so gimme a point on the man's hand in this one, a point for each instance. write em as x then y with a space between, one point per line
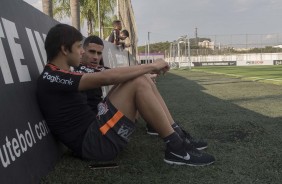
161 66
153 77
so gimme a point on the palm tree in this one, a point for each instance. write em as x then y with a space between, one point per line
106 16
68 8
47 7
75 13
61 8
88 12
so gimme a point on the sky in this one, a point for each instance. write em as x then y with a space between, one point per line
167 20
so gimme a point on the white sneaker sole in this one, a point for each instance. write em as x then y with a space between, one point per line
153 133
181 163
201 148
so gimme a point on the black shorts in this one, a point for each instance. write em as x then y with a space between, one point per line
108 135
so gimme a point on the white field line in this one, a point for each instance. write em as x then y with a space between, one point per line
265 79
233 75
241 76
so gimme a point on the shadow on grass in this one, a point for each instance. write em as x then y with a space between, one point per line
246 144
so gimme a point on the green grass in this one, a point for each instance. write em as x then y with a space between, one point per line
240 119
269 74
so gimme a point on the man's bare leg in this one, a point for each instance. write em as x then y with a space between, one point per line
160 99
138 94
199 144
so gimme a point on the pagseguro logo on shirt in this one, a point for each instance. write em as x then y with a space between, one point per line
57 79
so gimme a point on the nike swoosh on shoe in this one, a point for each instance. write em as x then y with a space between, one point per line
186 157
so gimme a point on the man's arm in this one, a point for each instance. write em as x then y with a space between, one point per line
120 75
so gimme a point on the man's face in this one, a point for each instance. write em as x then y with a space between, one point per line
74 57
92 55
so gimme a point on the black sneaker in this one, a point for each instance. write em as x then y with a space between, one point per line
188 155
151 130
199 144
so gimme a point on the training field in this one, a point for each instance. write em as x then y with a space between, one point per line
239 114
270 74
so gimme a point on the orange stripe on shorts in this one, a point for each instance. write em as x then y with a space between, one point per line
111 122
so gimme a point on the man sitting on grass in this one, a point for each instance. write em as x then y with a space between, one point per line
103 135
91 62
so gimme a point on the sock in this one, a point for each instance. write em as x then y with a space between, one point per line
173 141
177 129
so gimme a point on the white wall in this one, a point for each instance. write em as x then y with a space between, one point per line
242 59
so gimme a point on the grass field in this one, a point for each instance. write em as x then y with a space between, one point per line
270 74
240 119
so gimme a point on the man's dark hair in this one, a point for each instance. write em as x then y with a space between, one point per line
58 36
93 39
115 22
125 33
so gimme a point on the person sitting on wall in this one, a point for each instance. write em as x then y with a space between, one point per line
104 135
123 35
115 34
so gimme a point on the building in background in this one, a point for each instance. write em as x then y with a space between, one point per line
143 58
207 44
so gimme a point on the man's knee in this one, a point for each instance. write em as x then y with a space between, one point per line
141 82
132 86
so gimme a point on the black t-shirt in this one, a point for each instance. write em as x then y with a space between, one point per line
64 108
94 96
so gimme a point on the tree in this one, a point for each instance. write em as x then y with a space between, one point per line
68 8
75 13
107 16
47 7
88 12
61 8
159 47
